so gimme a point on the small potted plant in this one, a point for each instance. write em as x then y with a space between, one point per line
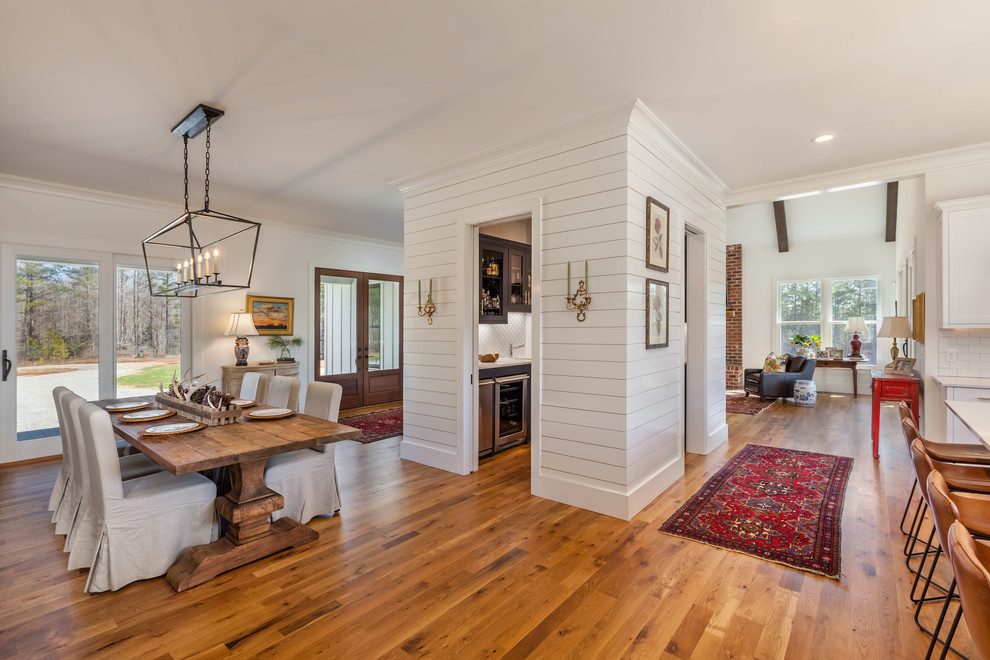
284 345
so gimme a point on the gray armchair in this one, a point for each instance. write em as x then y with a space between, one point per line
772 385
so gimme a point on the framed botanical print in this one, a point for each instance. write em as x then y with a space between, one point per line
657 314
657 235
272 316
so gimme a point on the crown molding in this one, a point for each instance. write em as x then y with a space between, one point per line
39 187
646 126
890 170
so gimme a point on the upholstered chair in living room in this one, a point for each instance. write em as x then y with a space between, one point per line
772 385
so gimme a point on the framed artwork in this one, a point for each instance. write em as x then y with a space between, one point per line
657 314
903 365
272 316
836 354
657 235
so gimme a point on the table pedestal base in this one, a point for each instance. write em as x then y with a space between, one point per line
205 562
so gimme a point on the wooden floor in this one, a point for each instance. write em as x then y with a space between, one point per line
420 562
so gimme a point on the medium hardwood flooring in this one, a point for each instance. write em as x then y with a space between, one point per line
420 562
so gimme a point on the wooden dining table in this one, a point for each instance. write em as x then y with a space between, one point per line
243 448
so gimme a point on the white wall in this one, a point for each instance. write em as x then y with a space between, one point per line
829 235
606 433
44 214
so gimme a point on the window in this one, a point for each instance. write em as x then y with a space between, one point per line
822 307
149 331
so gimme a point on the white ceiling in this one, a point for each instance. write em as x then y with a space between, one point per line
329 101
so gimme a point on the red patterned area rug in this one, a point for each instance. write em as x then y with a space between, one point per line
736 401
377 425
781 505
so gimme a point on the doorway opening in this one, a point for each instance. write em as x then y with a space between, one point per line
695 340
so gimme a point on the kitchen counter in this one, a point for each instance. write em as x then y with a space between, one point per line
502 362
962 381
504 367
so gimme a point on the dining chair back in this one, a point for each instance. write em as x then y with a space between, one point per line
144 524
971 565
307 479
284 392
60 503
254 386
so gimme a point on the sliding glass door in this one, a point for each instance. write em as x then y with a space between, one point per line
359 335
80 320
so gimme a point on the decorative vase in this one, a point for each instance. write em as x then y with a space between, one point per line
806 351
805 393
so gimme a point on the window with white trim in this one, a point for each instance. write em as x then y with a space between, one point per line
823 306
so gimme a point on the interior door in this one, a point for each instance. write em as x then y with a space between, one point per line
359 335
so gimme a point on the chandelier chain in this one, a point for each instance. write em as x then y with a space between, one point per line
206 198
185 165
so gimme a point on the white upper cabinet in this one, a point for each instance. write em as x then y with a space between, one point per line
964 235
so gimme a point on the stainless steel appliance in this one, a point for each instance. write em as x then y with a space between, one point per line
511 418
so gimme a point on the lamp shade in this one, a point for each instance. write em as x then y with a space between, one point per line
855 325
241 325
895 326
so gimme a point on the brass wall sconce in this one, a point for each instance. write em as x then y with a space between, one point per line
429 309
579 300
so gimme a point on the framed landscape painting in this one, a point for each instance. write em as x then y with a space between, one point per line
657 235
272 316
657 313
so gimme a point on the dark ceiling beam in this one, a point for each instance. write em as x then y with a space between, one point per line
891 212
781 221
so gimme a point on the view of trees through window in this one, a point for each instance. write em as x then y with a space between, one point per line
149 331
822 307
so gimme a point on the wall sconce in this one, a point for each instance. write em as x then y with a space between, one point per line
579 300
429 309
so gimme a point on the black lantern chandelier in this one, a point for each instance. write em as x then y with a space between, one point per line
213 252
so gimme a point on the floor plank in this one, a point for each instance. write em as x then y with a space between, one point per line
421 562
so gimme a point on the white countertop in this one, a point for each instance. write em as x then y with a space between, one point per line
975 415
962 381
503 362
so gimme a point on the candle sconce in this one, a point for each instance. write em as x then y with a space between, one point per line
429 309
579 300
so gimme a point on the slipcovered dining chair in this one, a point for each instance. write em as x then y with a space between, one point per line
284 392
75 497
307 478
143 525
253 386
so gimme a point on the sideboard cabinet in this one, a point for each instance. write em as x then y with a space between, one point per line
233 375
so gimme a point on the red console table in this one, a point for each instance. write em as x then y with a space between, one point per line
891 387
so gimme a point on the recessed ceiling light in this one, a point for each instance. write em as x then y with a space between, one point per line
824 138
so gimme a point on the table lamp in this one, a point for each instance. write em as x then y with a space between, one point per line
894 327
241 325
855 325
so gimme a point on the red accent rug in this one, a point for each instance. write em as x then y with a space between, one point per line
377 425
736 401
781 505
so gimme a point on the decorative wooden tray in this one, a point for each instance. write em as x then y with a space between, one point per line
198 412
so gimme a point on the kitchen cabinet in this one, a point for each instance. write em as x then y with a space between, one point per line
955 430
963 234
506 278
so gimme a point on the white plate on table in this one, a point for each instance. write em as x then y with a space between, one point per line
243 403
169 429
142 415
270 413
126 405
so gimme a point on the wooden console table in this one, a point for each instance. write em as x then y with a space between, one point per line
842 364
233 376
891 387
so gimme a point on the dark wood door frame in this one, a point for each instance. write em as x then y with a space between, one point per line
361 387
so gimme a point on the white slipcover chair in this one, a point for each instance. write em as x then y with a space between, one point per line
252 385
284 392
307 478
75 498
80 537
144 524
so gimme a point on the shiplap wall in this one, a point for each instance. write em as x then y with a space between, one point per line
608 432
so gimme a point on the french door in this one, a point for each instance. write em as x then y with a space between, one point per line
359 335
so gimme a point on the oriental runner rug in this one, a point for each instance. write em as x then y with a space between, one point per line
781 505
736 401
377 425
